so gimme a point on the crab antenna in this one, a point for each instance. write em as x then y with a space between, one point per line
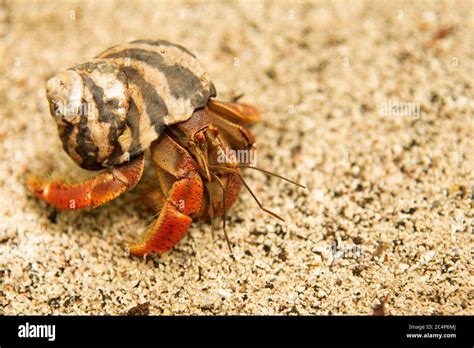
270 173
250 191
237 97
258 202
211 205
224 192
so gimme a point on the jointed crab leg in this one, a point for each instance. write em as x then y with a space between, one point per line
154 200
183 200
239 113
96 191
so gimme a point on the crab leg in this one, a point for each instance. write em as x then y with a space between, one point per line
154 200
96 191
242 114
183 199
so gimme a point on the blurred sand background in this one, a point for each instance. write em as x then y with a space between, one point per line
387 216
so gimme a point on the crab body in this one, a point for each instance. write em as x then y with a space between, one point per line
148 95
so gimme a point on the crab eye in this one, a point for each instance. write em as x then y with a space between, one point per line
215 132
200 138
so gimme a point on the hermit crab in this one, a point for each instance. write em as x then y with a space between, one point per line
149 94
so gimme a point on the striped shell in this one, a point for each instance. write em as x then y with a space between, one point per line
114 106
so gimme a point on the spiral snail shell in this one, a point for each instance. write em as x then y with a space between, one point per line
112 108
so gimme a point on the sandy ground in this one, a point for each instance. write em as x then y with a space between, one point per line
369 104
